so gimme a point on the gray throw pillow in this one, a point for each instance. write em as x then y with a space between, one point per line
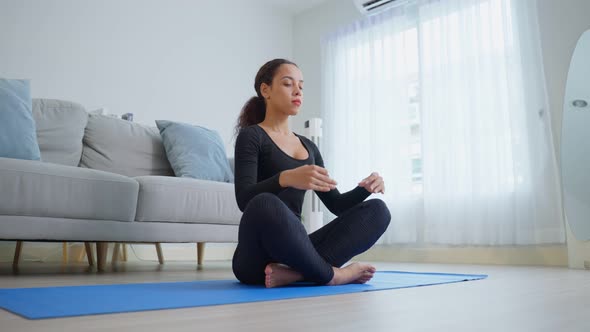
60 128
123 147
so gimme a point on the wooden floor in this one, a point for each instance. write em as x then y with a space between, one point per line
511 299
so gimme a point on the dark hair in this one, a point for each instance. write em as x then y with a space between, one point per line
254 109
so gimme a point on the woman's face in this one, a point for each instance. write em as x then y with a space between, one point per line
285 95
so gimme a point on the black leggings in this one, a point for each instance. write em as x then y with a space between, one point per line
271 233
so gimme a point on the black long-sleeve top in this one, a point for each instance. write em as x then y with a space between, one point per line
259 162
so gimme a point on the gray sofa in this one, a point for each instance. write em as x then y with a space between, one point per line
103 179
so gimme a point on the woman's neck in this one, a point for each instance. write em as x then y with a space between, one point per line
277 124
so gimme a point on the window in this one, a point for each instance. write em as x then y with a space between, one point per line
440 101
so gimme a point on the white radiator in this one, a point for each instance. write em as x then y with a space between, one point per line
315 219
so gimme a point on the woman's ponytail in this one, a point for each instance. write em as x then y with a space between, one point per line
252 113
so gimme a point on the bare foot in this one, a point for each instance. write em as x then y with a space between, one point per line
278 275
355 273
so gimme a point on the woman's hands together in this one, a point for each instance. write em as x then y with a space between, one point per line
313 177
306 177
373 183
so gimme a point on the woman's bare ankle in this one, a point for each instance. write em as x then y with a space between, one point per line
335 278
341 275
353 273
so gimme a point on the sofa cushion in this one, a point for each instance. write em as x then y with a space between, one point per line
17 127
123 147
195 151
170 199
35 188
60 128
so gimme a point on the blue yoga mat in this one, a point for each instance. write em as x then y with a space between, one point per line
53 302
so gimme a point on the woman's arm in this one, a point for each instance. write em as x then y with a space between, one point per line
338 202
247 151
335 201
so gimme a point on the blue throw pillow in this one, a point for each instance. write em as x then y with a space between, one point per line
18 136
195 151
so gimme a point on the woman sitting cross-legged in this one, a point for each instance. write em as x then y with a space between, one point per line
273 169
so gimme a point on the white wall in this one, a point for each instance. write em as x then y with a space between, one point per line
309 27
561 23
191 61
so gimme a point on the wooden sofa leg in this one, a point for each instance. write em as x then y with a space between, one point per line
200 252
64 253
115 257
88 249
159 251
19 246
101 255
124 252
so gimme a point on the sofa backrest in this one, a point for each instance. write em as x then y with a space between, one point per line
123 147
60 128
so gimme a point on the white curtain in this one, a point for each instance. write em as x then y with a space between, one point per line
446 100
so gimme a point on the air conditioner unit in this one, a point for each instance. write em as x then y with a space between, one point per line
370 7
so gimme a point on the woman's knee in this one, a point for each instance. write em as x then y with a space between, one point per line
263 202
262 199
265 207
381 212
